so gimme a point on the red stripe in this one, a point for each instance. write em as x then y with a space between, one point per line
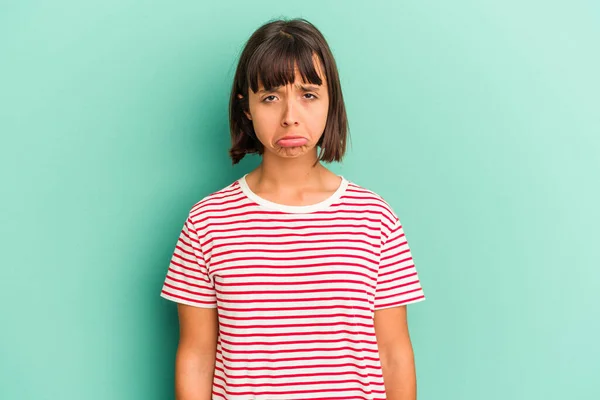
305 375
284 334
296 342
209 235
331 248
253 212
252 292
298 366
283 235
297 258
329 228
397 279
312 265
279 317
381 298
303 243
296 274
187 282
317 349
296 300
294 359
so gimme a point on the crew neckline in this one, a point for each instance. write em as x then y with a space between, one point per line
294 209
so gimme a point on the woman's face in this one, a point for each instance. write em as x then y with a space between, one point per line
289 120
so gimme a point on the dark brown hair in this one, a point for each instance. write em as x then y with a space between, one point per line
270 55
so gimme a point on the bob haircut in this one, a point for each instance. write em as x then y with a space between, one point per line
270 56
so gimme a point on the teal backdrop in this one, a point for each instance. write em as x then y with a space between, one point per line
478 121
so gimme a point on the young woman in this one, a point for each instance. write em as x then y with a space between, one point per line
292 282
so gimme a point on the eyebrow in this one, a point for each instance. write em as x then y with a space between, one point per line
304 88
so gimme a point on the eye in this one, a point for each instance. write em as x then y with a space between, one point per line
310 94
265 99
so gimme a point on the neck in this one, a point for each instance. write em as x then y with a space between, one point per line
290 172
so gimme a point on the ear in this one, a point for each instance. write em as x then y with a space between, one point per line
245 112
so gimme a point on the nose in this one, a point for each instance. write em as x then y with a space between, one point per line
290 116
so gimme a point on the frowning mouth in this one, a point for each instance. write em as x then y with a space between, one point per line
292 141
291 137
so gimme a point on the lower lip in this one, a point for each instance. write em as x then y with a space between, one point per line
292 142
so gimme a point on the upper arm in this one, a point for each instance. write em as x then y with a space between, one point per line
391 329
196 353
198 329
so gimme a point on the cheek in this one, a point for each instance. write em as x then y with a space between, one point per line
265 125
265 122
319 119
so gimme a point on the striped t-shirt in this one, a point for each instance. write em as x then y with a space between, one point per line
295 288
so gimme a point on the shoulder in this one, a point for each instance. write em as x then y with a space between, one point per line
215 202
361 195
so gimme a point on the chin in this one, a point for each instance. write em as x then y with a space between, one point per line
291 152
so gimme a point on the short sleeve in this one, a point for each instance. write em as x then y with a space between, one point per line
187 279
397 280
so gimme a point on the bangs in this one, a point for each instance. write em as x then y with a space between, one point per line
273 63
